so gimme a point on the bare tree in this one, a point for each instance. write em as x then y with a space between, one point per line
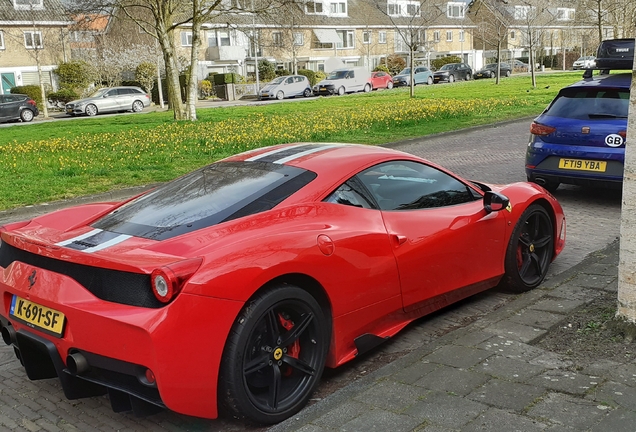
493 24
410 20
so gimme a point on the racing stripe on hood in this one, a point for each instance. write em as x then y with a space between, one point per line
94 241
314 149
272 155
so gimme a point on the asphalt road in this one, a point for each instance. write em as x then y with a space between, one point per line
490 154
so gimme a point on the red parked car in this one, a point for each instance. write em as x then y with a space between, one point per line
381 80
232 287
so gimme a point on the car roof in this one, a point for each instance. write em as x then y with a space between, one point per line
622 80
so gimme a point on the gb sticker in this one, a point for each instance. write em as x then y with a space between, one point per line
614 140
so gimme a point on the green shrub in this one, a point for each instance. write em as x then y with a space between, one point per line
32 91
76 74
381 68
266 70
146 73
282 72
311 75
205 88
395 64
320 75
226 78
63 96
439 62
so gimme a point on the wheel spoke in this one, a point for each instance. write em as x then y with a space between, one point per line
292 335
524 241
543 241
299 365
536 224
525 265
272 326
537 264
255 365
274 387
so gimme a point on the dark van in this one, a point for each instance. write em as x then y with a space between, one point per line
615 54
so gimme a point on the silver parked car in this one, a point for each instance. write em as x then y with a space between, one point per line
286 86
111 99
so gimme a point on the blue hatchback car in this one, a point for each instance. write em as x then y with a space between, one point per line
580 137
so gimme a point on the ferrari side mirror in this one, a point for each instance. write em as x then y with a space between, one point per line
494 201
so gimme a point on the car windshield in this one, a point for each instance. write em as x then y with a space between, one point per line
100 92
586 104
217 193
405 71
448 67
338 74
278 81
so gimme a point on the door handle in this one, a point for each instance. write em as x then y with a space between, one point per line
399 239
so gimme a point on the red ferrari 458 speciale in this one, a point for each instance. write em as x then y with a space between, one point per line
231 288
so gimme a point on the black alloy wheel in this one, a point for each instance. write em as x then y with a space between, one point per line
307 93
274 355
530 250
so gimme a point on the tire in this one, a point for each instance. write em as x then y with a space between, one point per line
451 78
341 91
507 73
468 77
389 85
307 93
367 88
429 81
263 353
26 115
91 110
280 95
529 250
492 74
137 106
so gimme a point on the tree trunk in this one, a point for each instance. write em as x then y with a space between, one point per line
193 80
531 67
627 257
498 61
45 109
172 76
412 80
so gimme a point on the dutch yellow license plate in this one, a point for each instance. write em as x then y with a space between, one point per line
37 316
583 165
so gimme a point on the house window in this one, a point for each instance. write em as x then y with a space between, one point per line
565 14
277 39
1 40
382 37
33 39
449 36
314 8
413 9
513 35
28 4
455 10
461 36
366 37
186 38
523 12
400 43
339 8
394 9
299 39
436 36
347 39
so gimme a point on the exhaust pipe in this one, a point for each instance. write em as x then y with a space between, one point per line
540 181
8 335
77 364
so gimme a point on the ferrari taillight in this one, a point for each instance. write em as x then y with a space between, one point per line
539 129
167 281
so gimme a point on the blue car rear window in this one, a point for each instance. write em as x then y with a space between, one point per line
217 193
590 104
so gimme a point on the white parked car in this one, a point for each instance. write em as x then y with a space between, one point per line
110 99
286 86
346 80
584 62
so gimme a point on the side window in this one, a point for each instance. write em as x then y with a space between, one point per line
299 79
350 193
408 185
289 80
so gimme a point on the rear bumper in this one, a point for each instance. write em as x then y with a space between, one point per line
181 344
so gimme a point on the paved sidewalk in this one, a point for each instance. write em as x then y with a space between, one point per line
488 376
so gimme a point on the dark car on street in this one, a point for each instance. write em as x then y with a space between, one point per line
453 72
490 71
615 54
580 137
17 107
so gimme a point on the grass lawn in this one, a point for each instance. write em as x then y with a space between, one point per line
48 161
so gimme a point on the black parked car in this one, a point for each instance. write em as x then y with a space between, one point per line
17 107
490 71
453 72
615 54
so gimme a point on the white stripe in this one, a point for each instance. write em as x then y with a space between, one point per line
109 243
79 237
301 154
273 152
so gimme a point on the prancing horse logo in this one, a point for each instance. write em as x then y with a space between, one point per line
32 278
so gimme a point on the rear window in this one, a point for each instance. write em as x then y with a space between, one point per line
586 104
208 196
